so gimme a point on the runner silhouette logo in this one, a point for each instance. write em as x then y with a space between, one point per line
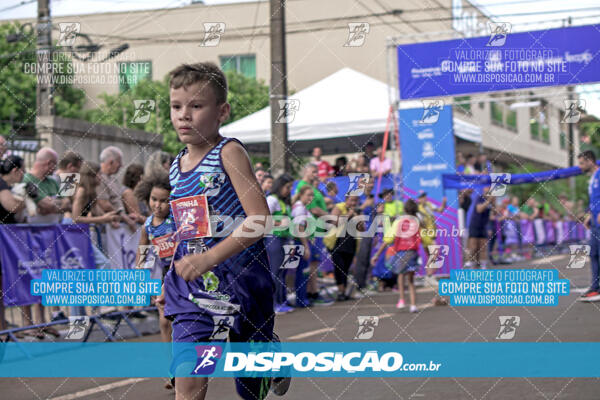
579 255
366 327
208 356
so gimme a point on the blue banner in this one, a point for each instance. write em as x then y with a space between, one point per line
458 181
499 62
28 249
299 359
427 146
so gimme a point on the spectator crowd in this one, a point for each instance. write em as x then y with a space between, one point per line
311 267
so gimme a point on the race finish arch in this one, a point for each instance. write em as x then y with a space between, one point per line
501 61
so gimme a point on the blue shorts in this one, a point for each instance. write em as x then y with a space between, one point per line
403 261
202 327
317 247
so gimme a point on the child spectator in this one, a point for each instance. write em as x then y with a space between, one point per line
267 184
158 231
279 206
404 236
301 217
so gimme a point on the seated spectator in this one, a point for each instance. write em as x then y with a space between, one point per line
460 163
112 195
331 196
11 172
369 151
85 205
378 166
392 208
341 164
267 184
529 210
483 164
260 175
3 148
157 162
470 165
133 175
325 170
359 164
48 205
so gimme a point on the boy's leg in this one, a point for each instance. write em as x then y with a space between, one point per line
189 327
253 388
191 388
164 325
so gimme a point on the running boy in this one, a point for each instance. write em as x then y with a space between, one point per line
219 286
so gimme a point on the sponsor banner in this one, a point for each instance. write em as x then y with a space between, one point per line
427 146
27 250
121 245
301 359
499 62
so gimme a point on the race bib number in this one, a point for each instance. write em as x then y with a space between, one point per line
165 245
192 217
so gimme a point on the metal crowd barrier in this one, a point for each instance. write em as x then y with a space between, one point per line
109 334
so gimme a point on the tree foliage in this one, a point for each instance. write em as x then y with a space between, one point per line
18 79
246 96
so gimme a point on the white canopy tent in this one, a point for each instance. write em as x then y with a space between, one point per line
346 103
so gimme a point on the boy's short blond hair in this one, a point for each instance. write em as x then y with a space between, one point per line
205 72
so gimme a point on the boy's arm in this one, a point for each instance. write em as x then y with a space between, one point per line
237 165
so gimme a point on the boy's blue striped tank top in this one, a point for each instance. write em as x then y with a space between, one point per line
241 284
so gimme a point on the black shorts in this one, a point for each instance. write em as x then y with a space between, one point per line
478 232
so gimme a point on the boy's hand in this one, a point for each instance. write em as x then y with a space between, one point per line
160 300
193 266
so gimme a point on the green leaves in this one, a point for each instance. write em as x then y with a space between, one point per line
246 95
18 82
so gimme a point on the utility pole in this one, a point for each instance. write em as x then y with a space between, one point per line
278 90
44 91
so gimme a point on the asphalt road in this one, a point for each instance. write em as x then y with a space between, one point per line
570 321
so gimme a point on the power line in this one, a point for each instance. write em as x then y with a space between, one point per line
18 5
354 17
233 36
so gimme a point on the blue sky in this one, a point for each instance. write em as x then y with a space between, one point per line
555 12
